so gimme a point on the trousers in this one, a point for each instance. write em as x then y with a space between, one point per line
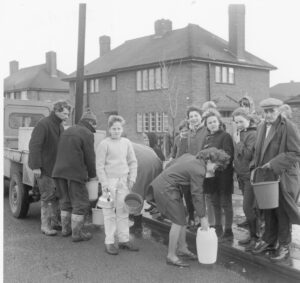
116 219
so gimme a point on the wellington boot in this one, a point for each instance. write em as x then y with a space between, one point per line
137 227
66 223
46 219
55 216
77 224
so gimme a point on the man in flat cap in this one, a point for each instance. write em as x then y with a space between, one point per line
75 165
277 151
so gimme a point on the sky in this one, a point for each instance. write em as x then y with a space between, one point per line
30 28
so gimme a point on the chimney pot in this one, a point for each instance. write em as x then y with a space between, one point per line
237 29
51 63
104 43
162 27
13 67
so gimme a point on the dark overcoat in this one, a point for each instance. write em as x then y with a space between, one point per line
281 149
188 172
76 155
43 144
149 167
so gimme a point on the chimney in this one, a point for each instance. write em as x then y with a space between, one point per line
51 63
13 67
104 43
237 30
162 26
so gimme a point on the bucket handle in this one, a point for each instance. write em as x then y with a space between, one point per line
253 174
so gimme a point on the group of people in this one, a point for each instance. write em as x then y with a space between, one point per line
198 178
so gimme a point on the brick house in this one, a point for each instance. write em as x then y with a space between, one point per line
295 105
40 82
141 78
285 91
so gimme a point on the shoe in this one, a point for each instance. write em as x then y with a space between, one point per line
227 236
262 246
219 230
244 242
178 262
282 253
150 208
187 254
244 224
128 246
251 245
137 227
111 249
77 224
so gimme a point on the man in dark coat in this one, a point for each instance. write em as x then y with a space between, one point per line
74 166
42 154
277 151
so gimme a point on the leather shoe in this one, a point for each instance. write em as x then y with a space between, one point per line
261 246
282 254
187 254
111 249
177 262
128 246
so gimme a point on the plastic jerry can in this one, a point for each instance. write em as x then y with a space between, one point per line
207 246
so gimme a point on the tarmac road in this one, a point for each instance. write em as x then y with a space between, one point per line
32 257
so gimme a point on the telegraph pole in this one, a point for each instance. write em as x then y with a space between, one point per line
80 63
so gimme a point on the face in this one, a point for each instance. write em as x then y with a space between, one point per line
194 118
116 130
63 115
241 122
146 139
184 132
210 168
213 124
271 114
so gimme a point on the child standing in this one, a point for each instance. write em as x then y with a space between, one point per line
116 166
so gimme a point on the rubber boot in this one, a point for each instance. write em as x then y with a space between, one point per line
137 226
66 223
46 209
77 224
55 217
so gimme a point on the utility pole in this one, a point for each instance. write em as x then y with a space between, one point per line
80 63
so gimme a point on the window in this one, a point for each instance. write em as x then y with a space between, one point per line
224 75
17 120
24 95
150 79
97 85
85 86
92 86
226 113
114 83
152 122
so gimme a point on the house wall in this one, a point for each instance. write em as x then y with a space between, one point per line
47 95
296 114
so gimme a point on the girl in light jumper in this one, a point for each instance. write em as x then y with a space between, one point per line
116 166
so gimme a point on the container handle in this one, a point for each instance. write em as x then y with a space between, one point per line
253 174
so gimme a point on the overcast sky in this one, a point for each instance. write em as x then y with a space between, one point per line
33 27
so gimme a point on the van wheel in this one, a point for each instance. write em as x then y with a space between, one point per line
18 196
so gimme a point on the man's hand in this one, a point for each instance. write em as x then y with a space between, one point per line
266 166
37 173
93 179
204 224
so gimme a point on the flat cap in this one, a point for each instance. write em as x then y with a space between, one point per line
270 103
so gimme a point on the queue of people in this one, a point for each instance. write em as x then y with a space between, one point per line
199 176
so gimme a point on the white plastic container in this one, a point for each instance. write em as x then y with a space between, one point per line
24 136
207 246
97 216
92 188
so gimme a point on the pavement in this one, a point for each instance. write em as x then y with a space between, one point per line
289 268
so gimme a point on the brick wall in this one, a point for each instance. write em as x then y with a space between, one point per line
47 95
296 115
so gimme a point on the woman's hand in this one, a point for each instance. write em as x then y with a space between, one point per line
204 223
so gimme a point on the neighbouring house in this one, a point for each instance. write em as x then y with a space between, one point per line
295 105
152 80
285 91
40 82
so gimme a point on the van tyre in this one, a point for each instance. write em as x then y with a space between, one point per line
18 196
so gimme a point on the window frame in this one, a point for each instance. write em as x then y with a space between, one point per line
224 75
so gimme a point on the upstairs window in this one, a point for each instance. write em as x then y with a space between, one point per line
224 75
151 79
113 83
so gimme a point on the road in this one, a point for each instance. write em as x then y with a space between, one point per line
32 257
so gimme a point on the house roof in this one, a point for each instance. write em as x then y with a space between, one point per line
294 100
285 91
35 77
191 42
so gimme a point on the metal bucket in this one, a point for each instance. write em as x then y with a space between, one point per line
97 216
134 203
266 193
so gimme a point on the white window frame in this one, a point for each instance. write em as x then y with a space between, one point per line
113 83
139 80
97 82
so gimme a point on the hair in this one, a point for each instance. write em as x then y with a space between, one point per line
214 113
191 109
241 112
215 155
183 124
115 118
60 105
286 110
244 102
208 105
